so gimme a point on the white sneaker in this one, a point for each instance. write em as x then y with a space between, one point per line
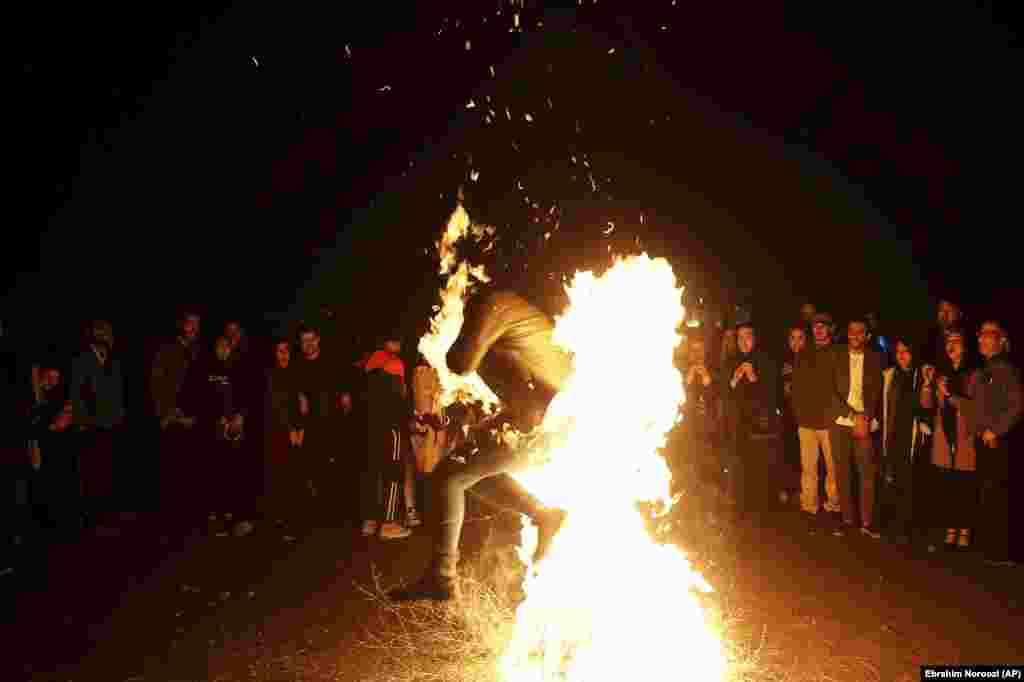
369 528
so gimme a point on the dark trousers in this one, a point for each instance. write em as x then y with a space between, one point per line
325 456
285 494
99 460
57 486
383 474
994 508
896 499
852 455
753 456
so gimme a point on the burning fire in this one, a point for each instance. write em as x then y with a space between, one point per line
608 603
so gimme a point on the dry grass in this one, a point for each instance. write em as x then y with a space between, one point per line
455 642
462 641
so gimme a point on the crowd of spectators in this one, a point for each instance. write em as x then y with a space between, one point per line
892 439
231 436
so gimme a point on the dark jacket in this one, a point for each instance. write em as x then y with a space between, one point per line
812 388
217 389
323 380
872 384
752 399
509 343
281 400
168 375
998 402
386 407
97 392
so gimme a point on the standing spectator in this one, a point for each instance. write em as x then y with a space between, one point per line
237 337
857 398
282 479
796 340
950 397
948 317
325 383
57 489
384 478
218 400
167 382
812 401
903 431
750 411
700 421
98 401
999 406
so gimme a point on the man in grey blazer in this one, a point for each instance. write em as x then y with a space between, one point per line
856 404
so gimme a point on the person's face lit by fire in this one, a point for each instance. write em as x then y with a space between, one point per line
393 346
310 342
49 379
856 336
102 334
746 339
282 354
808 311
223 348
955 347
904 357
797 340
822 333
190 328
991 339
233 330
948 314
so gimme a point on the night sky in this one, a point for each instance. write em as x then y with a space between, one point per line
262 160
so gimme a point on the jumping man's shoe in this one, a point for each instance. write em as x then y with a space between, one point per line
548 525
412 518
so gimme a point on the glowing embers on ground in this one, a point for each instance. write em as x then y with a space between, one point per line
608 603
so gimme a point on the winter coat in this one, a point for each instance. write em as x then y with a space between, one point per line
919 427
963 457
812 387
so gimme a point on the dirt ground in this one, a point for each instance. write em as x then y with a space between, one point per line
264 608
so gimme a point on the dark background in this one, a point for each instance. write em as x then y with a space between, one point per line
250 159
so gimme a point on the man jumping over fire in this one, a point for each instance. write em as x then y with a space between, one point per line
509 343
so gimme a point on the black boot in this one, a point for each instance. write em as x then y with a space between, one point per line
431 587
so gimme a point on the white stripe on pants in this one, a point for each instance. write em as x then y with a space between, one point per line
393 488
810 439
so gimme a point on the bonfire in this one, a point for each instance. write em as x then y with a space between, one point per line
609 602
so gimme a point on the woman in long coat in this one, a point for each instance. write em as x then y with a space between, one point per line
950 398
905 437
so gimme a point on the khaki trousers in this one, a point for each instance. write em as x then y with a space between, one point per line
810 440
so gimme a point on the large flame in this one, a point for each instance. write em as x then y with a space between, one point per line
610 603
